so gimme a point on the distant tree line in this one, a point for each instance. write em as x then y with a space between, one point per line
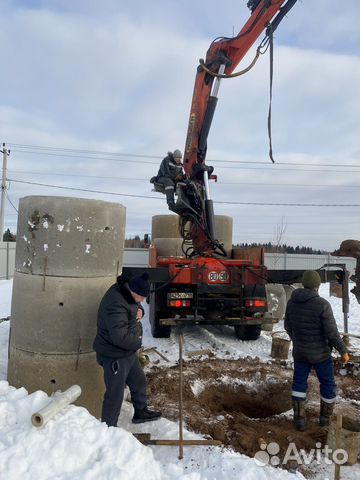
270 248
144 242
137 242
8 236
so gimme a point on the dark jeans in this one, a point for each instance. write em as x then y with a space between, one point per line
325 373
118 373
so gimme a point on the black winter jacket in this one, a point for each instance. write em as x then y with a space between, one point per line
169 168
118 331
310 323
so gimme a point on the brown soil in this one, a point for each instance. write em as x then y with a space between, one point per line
241 402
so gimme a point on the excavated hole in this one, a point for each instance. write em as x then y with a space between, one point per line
236 402
266 401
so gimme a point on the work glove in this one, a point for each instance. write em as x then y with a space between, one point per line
345 358
143 358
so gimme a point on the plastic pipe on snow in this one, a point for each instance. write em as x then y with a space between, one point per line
58 402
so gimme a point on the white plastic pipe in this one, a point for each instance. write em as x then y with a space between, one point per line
58 402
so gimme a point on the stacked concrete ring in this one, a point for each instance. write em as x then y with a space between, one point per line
69 251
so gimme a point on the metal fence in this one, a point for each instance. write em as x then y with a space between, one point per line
7 259
133 257
138 257
292 261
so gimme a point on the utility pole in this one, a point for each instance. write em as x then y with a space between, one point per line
5 153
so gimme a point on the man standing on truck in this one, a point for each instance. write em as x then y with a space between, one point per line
119 336
310 323
170 172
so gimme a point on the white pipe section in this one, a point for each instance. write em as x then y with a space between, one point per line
58 402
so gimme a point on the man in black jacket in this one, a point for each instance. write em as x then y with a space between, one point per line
170 172
310 323
119 336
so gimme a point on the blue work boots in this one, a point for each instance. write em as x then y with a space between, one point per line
299 415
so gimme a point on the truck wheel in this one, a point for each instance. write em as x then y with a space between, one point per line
157 330
248 332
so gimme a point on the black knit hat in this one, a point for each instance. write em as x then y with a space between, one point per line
311 279
140 284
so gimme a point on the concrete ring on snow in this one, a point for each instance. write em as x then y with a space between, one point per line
37 371
276 299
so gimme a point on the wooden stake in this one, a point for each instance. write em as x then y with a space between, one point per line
145 438
338 444
195 353
155 350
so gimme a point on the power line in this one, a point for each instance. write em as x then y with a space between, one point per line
92 152
267 167
135 155
155 198
112 177
83 157
7 195
146 179
83 189
291 204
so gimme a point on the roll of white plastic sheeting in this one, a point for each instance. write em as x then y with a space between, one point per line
59 401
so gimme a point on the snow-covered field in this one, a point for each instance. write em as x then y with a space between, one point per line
76 446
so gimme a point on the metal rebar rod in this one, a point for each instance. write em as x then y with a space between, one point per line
172 443
181 449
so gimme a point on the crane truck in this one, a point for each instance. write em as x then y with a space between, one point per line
205 286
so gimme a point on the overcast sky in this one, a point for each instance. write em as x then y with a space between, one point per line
116 77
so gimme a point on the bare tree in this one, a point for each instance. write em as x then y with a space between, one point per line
279 233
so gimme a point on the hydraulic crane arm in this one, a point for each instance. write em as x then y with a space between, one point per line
223 56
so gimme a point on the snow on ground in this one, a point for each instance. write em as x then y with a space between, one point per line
223 342
76 446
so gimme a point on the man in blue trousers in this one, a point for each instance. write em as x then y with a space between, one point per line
310 323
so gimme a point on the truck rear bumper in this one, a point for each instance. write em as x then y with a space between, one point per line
200 320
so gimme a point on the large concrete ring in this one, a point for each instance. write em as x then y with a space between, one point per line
224 231
69 237
276 299
169 247
288 291
55 314
36 371
165 226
